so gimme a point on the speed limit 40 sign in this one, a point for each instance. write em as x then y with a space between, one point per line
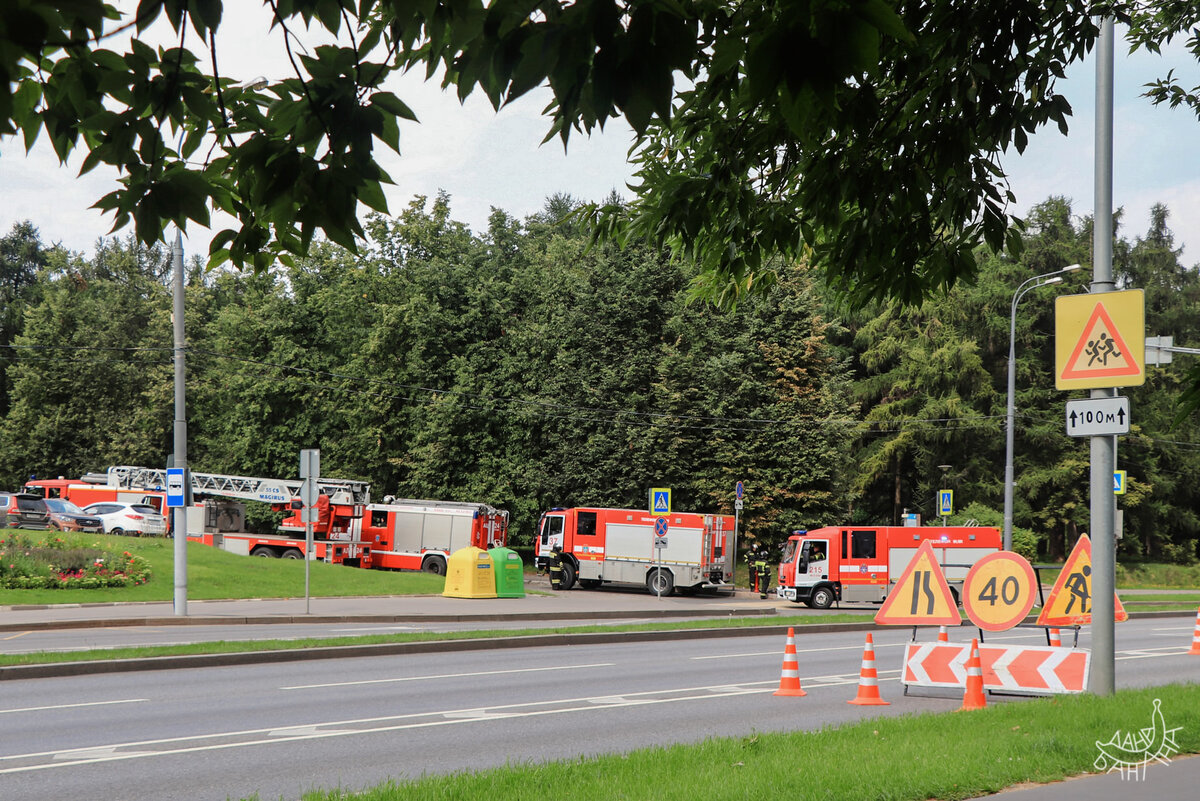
998 591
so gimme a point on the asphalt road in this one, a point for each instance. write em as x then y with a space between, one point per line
281 729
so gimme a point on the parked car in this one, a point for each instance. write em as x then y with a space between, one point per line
66 516
23 510
137 519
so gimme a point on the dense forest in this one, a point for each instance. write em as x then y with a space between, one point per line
529 368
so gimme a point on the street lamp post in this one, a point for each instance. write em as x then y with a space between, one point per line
1046 279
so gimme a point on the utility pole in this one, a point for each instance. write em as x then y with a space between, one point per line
1103 448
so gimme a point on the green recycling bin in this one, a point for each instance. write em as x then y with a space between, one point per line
510 573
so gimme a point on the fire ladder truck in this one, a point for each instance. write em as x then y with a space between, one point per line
217 519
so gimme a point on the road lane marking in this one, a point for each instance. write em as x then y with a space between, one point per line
74 706
18 634
445 676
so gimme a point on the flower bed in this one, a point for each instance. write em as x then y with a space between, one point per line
53 562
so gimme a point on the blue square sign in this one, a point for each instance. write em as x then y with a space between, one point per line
174 487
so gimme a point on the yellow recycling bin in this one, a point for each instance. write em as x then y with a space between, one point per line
510 573
470 574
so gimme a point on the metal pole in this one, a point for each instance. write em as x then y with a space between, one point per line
1103 448
308 555
1012 384
179 517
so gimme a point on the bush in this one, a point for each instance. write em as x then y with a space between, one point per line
55 562
1024 541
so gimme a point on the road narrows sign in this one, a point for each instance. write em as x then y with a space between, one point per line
998 591
1070 602
921 596
1100 340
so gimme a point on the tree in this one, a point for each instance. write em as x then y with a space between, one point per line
862 135
21 259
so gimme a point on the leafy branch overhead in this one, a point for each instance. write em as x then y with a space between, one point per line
860 135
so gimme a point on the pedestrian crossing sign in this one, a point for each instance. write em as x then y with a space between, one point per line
1100 340
660 502
1070 602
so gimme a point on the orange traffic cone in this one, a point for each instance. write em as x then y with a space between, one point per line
943 635
868 679
1195 651
974 698
789 681
1055 639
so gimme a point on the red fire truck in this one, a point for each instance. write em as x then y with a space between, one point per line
421 535
621 546
217 518
861 563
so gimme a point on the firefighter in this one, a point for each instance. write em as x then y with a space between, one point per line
762 569
556 568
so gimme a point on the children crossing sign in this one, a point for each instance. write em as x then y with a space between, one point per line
1100 340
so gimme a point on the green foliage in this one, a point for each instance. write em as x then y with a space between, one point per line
57 563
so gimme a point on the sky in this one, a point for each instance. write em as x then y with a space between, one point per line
485 159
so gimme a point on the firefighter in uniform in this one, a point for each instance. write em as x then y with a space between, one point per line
556 568
761 568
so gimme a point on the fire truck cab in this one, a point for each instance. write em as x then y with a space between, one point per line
861 563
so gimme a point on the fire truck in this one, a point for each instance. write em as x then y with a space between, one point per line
420 535
861 563
217 517
621 546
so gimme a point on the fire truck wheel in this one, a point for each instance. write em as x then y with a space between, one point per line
660 582
292 553
263 551
822 598
435 565
568 575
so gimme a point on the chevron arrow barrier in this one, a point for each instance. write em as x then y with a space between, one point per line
1033 670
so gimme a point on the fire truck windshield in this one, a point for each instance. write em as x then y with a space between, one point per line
789 552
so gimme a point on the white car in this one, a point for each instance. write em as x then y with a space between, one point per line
137 519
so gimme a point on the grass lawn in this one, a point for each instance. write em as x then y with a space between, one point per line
912 758
216 574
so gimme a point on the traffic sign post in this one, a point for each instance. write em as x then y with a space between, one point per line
1097 417
660 542
739 490
310 471
998 591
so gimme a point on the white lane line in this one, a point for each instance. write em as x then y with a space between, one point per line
445 676
378 628
74 706
1151 653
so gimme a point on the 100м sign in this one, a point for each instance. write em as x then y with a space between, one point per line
998 591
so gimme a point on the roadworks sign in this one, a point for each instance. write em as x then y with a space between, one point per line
1070 602
921 596
1100 340
1023 669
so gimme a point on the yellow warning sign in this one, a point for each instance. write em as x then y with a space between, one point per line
1100 340
1070 602
921 596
